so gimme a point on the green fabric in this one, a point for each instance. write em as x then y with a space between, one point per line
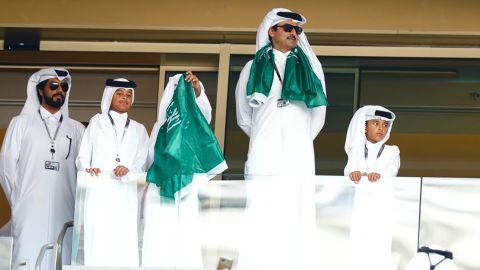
185 144
261 72
299 80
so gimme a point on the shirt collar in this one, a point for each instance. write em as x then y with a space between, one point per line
118 117
46 114
280 55
373 146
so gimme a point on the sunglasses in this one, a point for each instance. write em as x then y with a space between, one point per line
288 28
54 86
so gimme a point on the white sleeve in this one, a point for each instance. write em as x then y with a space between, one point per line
352 163
84 158
244 110
317 120
391 170
202 101
151 144
9 156
204 105
79 131
140 163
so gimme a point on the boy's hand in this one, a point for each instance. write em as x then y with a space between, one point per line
356 176
93 171
120 170
373 177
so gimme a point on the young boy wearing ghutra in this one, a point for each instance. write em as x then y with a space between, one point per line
368 155
371 164
113 152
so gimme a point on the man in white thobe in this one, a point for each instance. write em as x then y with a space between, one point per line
280 102
37 166
171 234
281 129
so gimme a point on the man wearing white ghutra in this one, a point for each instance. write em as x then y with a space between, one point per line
281 104
37 166
281 98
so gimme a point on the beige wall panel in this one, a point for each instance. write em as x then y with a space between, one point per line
190 60
408 15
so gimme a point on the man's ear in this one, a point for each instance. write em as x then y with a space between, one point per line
40 95
271 32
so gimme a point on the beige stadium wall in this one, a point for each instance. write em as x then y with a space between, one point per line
323 15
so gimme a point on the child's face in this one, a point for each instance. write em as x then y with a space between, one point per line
121 100
376 130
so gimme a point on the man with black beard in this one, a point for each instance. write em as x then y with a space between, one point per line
37 166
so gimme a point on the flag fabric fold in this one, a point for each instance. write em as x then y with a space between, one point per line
185 145
300 81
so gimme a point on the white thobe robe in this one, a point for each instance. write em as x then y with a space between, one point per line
171 232
387 164
281 145
279 224
371 224
110 211
281 138
41 200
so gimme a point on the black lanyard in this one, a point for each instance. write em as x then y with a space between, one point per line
281 102
379 152
127 123
52 140
278 73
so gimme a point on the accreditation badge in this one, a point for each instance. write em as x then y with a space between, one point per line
52 165
282 103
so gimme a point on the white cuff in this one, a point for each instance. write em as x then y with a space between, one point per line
256 100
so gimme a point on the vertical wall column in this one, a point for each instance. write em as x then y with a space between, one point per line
161 85
222 93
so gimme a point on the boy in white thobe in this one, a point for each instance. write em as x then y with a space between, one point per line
371 163
114 150
368 155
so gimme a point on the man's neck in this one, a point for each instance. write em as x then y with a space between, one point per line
50 109
282 50
372 143
118 112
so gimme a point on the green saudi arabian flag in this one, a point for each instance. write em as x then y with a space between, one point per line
185 146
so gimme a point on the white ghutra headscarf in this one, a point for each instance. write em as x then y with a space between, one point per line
356 129
113 85
32 103
272 18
